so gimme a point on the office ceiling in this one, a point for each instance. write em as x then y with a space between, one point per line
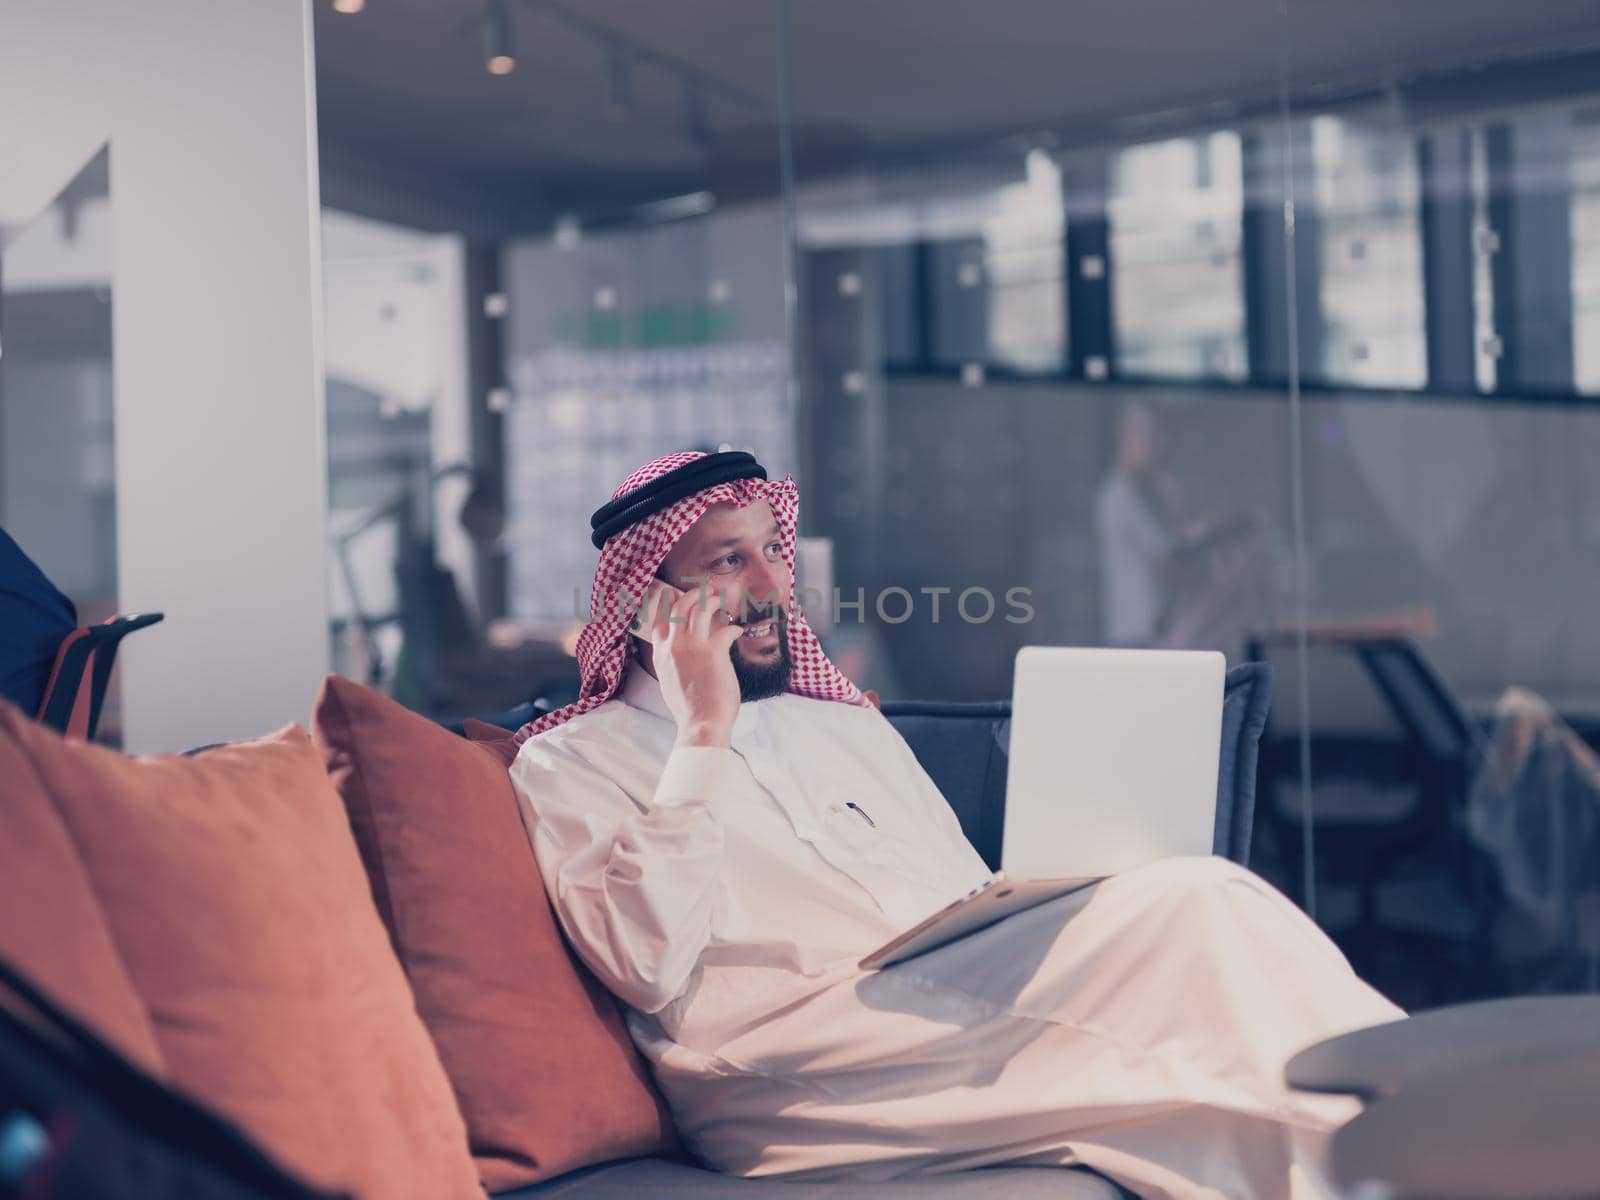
406 107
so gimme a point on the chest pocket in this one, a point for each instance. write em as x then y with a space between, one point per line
876 834
850 824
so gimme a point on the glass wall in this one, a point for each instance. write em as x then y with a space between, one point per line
1273 334
1319 401
57 471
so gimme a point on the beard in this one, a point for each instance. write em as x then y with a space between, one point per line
763 680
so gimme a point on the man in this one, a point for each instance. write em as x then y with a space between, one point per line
725 827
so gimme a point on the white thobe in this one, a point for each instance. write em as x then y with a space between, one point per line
1139 1026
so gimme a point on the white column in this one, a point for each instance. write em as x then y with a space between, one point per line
208 108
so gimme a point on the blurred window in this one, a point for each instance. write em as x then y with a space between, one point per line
1366 193
965 276
1586 249
1023 244
1176 212
1485 352
396 378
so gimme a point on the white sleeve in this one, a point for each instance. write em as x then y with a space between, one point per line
633 886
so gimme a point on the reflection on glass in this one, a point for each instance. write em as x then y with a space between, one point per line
1175 572
966 268
1024 260
1586 248
624 345
411 510
1176 209
383 322
1486 344
1366 194
57 478
946 435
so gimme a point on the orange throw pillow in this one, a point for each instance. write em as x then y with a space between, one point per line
544 1070
52 928
235 894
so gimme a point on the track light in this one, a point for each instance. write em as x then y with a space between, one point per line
349 6
499 55
619 86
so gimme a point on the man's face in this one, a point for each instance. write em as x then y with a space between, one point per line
737 550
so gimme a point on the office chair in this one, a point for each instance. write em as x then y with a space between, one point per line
1406 756
446 667
89 652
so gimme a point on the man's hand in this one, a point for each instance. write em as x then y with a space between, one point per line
692 638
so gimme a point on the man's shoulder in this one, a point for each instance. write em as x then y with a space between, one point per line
833 713
582 738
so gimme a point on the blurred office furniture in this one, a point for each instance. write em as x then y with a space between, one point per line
1483 1100
1534 811
1399 883
87 655
445 666
1522 1132
400 510
1383 1060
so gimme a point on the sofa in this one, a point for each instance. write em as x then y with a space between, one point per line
338 940
963 747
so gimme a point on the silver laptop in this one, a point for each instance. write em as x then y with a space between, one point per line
1114 759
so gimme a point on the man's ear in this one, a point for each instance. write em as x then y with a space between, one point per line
873 696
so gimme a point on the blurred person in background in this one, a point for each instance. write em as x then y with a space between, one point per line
1169 578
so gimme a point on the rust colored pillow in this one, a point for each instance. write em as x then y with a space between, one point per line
500 743
52 928
544 1070
236 897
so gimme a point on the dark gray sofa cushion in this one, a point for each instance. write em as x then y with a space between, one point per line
1245 703
659 1179
964 748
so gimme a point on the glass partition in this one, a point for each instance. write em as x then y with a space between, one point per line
1271 332
57 435
1436 710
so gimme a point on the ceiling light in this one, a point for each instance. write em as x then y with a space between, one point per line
499 56
568 232
349 6
674 208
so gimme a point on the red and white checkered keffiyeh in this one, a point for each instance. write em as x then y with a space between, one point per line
628 564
